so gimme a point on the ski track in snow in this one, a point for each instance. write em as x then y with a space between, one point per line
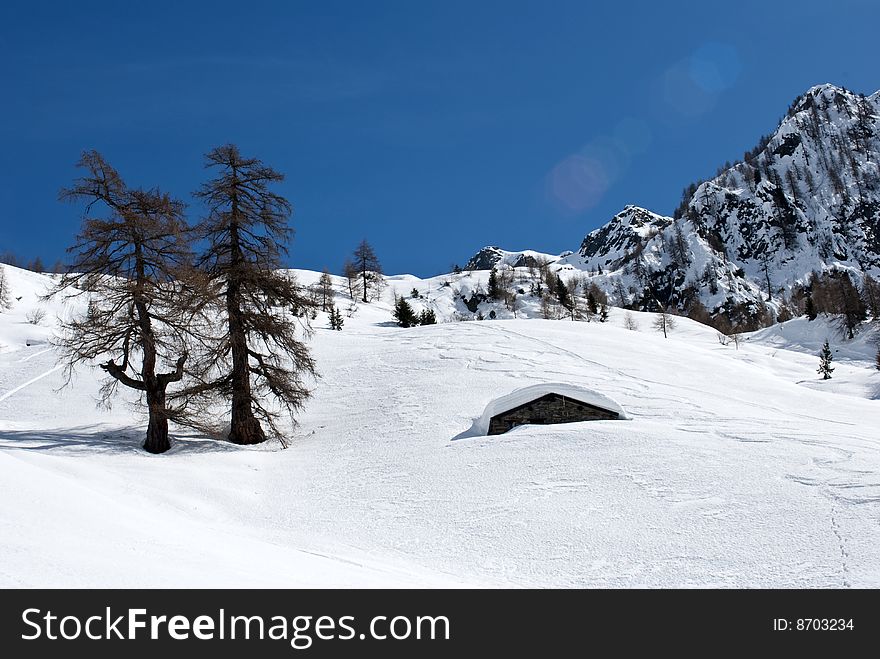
15 390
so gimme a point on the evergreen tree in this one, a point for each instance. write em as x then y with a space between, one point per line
603 313
825 359
562 293
404 314
336 321
494 291
809 307
427 317
592 304
257 356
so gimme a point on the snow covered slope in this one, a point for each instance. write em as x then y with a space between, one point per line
731 471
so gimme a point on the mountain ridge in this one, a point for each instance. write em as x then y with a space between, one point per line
744 244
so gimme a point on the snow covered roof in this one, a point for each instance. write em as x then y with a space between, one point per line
525 394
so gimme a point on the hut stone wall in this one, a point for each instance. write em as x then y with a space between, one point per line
550 408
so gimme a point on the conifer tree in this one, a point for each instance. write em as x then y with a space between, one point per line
404 314
325 290
562 293
494 290
809 307
336 320
257 358
129 263
367 265
664 322
427 317
352 276
825 359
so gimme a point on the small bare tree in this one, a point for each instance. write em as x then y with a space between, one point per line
128 265
352 276
664 322
736 337
630 323
36 316
325 290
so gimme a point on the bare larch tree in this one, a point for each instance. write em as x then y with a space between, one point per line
664 322
367 264
325 290
258 356
127 263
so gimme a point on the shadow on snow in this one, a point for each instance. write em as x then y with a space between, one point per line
97 439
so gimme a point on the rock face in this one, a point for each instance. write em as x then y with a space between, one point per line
806 199
486 259
490 257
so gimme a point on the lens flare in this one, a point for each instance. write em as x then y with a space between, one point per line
578 183
715 67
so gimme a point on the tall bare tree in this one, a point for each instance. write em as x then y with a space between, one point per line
367 264
127 264
259 358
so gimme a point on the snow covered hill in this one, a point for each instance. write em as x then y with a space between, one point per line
738 467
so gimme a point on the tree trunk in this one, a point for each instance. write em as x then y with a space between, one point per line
364 272
244 427
157 428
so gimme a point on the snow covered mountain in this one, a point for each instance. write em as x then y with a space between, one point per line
490 257
806 199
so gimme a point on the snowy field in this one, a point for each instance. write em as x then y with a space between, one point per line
738 468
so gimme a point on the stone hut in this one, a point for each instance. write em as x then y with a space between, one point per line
546 404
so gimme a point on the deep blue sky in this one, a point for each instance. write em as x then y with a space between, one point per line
430 128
